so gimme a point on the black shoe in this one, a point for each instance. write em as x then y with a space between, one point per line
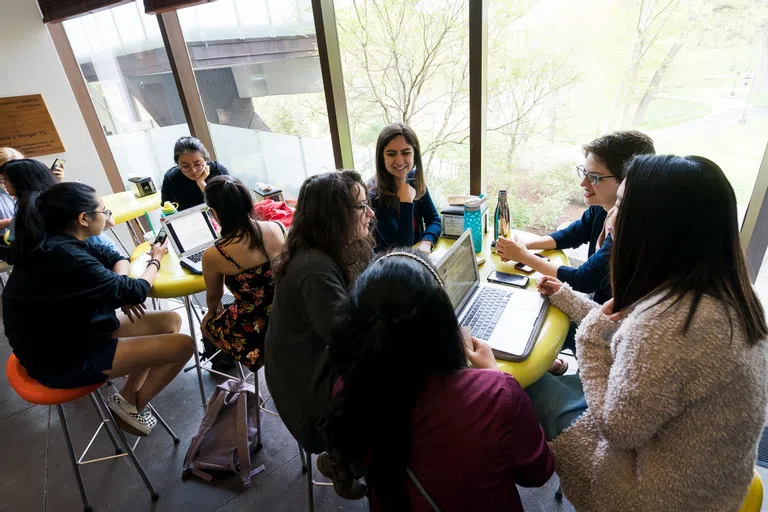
222 362
344 483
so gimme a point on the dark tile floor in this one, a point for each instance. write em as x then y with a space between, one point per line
36 475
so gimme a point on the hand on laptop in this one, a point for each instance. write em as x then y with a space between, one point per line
479 353
548 285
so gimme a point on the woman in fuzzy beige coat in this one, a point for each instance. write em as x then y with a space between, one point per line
670 399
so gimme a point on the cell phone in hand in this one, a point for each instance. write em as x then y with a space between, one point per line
522 267
508 279
56 163
161 236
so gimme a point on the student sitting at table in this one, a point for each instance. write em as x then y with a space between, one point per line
670 401
241 258
21 177
405 213
601 175
59 307
184 183
327 247
410 414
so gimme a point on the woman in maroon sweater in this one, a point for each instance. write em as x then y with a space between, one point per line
410 410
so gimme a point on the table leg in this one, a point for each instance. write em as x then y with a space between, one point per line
136 238
112 230
188 305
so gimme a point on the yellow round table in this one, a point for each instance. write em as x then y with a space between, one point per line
553 330
172 281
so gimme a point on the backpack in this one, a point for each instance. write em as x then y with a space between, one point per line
226 436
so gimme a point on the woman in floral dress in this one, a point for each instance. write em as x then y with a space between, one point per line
241 259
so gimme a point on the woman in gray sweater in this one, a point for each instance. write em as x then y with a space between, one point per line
670 401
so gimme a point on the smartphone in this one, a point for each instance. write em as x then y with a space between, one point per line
161 236
508 279
525 268
56 163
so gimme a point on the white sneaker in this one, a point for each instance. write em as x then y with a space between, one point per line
129 418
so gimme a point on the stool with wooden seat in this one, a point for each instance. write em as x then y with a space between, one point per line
34 392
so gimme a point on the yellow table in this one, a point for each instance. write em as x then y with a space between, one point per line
554 329
126 206
172 281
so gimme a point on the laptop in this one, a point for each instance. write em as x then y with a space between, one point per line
191 232
508 318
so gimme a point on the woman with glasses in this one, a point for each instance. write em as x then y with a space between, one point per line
59 306
601 175
327 246
405 213
185 182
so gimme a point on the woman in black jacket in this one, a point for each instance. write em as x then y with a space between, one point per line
59 306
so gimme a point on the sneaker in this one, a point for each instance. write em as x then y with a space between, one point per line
129 419
344 483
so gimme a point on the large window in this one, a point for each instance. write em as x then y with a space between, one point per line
407 60
691 74
122 58
259 78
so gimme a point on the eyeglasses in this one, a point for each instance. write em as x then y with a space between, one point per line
362 206
107 213
196 167
594 179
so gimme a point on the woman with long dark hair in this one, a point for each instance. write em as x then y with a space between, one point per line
241 258
405 213
327 247
670 400
185 182
59 306
408 408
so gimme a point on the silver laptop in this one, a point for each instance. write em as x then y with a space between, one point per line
191 232
508 318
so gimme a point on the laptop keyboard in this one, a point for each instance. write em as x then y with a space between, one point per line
196 257
486 311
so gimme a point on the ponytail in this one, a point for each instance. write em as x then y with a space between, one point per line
51 212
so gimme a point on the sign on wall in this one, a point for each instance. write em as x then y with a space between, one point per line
26 125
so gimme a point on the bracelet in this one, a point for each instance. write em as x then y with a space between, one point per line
155 262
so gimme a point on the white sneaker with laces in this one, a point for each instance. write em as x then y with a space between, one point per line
129 418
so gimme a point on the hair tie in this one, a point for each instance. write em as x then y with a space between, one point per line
417 258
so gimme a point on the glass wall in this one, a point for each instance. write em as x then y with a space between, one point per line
259 78
125 65
692 75
407 60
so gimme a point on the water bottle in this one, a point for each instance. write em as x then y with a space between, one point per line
473 210
501 224
169 208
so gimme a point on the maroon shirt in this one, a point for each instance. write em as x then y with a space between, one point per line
475 435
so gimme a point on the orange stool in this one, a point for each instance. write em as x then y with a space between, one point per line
34 392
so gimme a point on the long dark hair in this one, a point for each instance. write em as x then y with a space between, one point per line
27 176
234 206
52 212
677 232
398 317
326 219
383 186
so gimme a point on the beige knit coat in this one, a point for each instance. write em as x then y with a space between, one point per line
673 419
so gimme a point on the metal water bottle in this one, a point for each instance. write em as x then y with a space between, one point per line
501 225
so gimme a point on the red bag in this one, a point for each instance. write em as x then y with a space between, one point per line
271 210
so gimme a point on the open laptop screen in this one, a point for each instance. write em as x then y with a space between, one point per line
458 269
191 231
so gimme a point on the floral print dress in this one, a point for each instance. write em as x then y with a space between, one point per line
239 329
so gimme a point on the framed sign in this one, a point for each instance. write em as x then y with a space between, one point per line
26 125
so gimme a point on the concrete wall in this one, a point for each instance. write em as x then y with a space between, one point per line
29 64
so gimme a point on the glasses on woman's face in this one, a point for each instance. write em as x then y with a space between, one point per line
363 207
594 179
198 166
107 213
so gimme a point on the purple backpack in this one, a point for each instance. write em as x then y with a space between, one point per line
227 434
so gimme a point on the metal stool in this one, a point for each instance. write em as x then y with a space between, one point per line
35 393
